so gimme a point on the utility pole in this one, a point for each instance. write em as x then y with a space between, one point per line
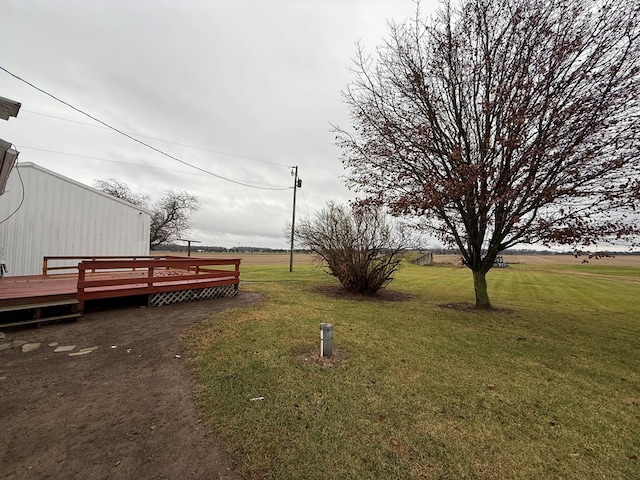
297 183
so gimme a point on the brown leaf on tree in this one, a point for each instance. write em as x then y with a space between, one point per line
490 134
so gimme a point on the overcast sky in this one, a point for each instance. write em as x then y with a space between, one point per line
253 84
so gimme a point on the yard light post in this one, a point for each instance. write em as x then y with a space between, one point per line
297 183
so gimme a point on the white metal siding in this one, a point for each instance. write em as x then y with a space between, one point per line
62 217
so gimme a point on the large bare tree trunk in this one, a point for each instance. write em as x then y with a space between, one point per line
480 286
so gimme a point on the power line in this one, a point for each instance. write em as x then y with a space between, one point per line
21 198
22 147
305 202
160 139
133 138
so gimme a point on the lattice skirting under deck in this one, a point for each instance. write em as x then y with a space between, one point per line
166 298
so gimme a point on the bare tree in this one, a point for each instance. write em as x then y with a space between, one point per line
502 122
360 246
121 190
169 215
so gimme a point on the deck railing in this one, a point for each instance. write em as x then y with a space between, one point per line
117 278
74 260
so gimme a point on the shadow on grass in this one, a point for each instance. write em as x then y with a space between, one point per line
384 295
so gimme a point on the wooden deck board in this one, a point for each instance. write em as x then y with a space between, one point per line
30 290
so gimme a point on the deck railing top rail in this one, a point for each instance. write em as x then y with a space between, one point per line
134 262
71 261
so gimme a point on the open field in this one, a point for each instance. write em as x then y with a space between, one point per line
250 259
619 260
421 386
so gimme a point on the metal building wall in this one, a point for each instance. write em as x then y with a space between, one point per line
60 216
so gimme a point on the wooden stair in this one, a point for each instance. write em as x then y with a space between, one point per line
40 312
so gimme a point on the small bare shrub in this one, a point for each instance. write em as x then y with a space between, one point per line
360 246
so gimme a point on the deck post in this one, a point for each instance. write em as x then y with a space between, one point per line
150 277
80 294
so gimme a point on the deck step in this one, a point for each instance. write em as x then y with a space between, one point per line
28 306
32 321
41 312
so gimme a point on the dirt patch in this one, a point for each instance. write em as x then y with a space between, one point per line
312 357
384 295
122 410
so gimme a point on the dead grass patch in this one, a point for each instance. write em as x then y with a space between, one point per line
470 307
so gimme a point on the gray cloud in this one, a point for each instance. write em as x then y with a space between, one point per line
251 78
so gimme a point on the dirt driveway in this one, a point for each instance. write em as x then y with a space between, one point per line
122 411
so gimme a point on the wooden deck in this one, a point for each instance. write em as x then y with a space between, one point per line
23 290
46 296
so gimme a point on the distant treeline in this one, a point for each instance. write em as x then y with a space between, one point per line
532 251
600 253
172 247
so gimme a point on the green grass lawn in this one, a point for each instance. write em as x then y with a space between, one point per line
545 387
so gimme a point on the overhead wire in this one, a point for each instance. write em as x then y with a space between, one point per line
305 203
120 132
21 199
160 139
22 147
